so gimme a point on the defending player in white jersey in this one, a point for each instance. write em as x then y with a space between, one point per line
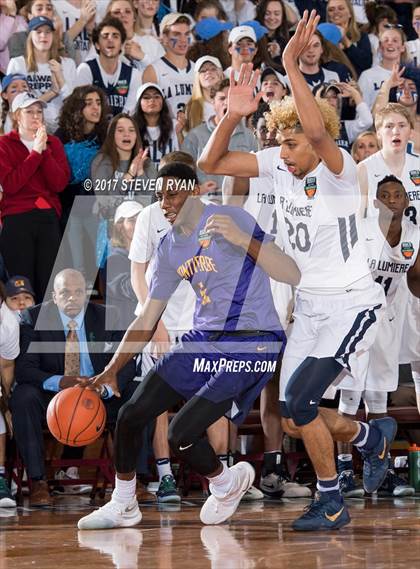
338 304
392 244
257 197
394 125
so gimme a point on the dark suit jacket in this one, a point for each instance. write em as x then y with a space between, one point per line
42 324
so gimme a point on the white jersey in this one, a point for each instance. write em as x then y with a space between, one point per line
261 204
175 83
70 15
412 48
151 226
389 265
377 169
318 220
370 81
155 150
9 333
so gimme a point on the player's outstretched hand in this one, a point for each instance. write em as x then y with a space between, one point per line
107 377
224 225
242 100
302 36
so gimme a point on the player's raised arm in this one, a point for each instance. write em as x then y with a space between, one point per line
216 158
138 335
309 114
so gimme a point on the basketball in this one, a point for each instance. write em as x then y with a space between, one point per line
76 416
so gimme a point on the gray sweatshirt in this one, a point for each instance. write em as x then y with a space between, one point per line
242 140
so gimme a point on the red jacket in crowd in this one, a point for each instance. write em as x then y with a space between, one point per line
31 180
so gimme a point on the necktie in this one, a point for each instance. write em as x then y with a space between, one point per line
72 351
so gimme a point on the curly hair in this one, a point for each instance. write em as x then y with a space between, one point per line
283 115
71 118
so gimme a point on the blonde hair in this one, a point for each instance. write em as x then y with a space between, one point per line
283 115
30 58
393 108
353 32
403 40
359 137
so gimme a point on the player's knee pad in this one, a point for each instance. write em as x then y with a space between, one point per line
302 408
349 401
179 436
376 401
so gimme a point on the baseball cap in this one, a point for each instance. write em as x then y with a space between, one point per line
330 32
171 19
145 86
18 284
240 32
271 71
258 28
127 209
24 100
39 21
204 59
208 28
10 78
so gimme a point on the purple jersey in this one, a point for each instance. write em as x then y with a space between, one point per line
233 293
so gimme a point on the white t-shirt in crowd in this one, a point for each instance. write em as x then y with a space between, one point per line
152 137
40 82
151 226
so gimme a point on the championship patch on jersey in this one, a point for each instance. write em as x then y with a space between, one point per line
407 249
122 87
310 187
415 177
204 239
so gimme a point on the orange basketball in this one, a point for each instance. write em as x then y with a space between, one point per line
76 416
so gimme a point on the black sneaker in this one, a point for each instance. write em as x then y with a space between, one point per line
6 498
396 486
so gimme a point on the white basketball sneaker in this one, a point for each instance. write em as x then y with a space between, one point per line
219 508
113 515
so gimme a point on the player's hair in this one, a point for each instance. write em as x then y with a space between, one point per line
391 179
393 108
283 115
111 22
178 170
178 156
263 108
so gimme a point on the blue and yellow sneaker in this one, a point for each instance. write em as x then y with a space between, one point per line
167 491
375 465
323 513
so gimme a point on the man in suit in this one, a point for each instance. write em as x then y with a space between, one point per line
81 343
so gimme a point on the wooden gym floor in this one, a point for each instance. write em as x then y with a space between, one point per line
384 533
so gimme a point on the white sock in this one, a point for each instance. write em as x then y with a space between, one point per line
222 483
125 490
163 466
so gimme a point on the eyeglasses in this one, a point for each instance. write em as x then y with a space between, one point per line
393 27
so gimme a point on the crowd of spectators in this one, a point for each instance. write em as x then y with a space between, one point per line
94 95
